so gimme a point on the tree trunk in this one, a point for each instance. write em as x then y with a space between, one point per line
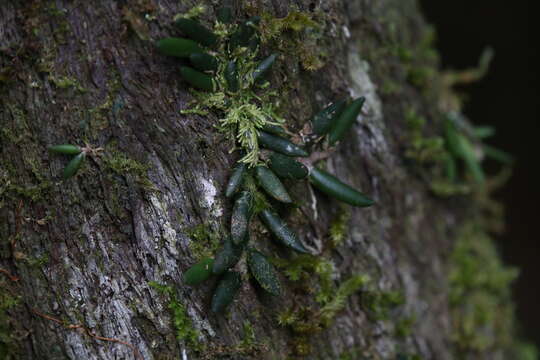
92 266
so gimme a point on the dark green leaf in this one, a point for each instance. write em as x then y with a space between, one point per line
345 120
240 217
199 272
280 145
264 67
323 121
74 165
286 167
332 186
281 231
197 79
264 272
224 15
228 286
271 184
65 149
236 180
228 255
178 47
231 76
196 31
203 61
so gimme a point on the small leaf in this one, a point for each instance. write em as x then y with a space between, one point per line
264 67
203 61
240 217
236 180
323 121
332 186
281 231
65 149
228 255
224 15
178 47
271 184
225 291
199 272
197 79
196 31
231 76
264 272
482 132
74 165
244 33
344 122
499 155
286 167
280 145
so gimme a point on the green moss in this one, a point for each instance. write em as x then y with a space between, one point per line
181 321
204 241
244 112
338 301
480 295
379 303
297 35
403 326
121 164
423 149
303 267
420 60
307 320
66 82
38 262
340 226
8 339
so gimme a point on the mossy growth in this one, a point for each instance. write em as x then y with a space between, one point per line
204 241
339 226
255 105
423 149
420 60
307 320
8 340
331 299
378 304
480 296
66 82
185 331
303 267
121 164
298 35
245 111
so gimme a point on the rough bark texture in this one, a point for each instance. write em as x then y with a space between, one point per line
86 249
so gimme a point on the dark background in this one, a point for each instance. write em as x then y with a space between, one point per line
508 99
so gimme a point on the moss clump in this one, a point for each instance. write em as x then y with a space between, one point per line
307 320
339 226
65 82
204 241
480 296
8 341
423 149
337 302
303 267
297 35
181 321
379 303
403 327
121 164
420 60
243 113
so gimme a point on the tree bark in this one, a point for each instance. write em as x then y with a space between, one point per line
79 255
